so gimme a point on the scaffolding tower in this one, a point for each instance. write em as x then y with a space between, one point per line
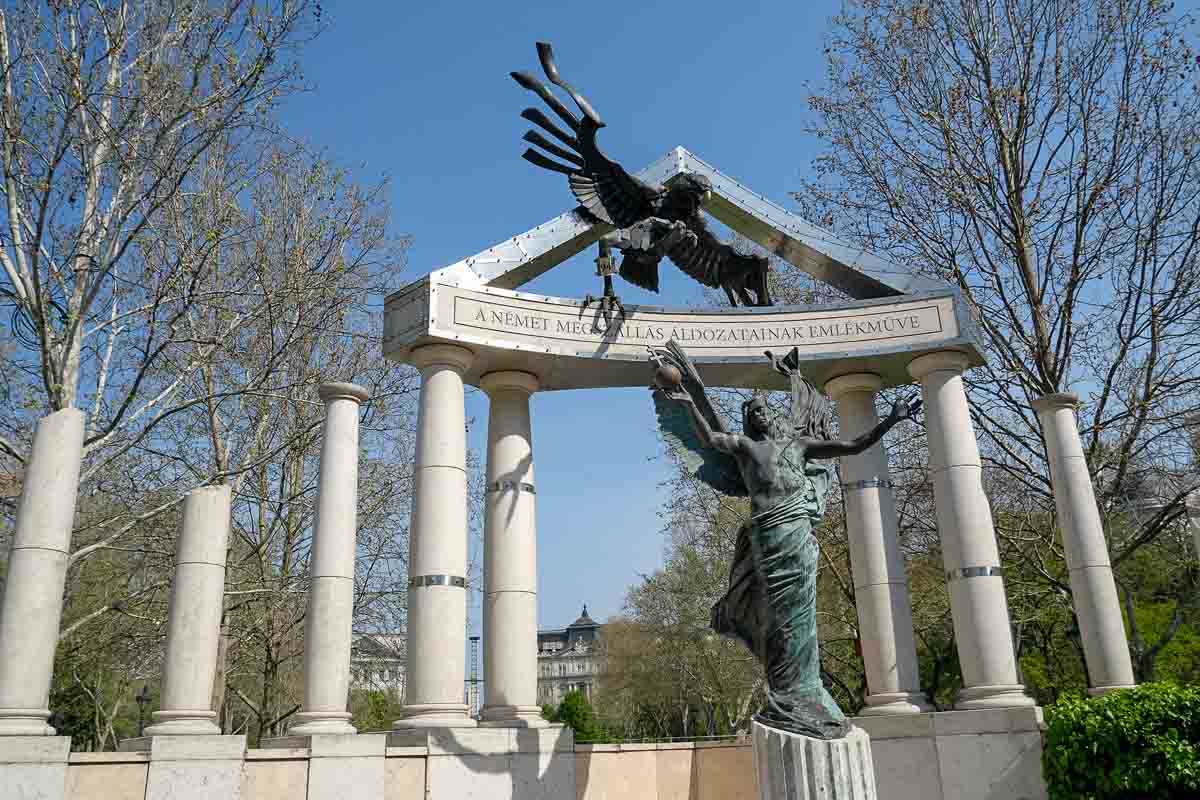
473 680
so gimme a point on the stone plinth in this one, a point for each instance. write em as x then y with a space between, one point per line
795 767
34 767
191 767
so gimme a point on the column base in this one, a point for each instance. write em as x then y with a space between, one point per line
1096 691
512 717
795 767
896 703
183 723
999 696
434 715
25 722
317 723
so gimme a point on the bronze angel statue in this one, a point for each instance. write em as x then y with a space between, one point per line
771 602
651 221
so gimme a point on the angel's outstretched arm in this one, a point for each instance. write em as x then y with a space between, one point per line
725 442
832 448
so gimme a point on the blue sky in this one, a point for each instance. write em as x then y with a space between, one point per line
420 92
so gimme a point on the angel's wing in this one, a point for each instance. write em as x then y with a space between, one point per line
606 190
719 470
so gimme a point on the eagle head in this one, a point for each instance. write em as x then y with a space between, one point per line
688 192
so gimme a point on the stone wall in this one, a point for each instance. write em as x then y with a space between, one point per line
680 771
956 755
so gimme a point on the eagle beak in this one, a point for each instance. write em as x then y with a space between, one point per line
707 196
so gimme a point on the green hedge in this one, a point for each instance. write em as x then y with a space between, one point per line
1126 745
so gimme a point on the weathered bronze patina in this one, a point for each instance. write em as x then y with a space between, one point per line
771 603
651 221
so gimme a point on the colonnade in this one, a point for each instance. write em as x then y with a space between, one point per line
32 602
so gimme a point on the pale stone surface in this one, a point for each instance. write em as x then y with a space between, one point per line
1005 766
955 755
37 566
726 773
880 582
190 767
495 763
339 765
437 541
358 778
978 604
1093 590
33 767
285 779
629 775
795 767
906 768
194 616
510 556
100 781
403 778
673 770
327 624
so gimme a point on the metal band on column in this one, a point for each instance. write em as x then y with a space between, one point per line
510 486
438 580
973 572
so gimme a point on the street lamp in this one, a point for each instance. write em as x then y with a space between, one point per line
142 698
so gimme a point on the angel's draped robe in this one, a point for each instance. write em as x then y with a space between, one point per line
771 606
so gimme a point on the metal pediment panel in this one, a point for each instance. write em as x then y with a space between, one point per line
859 273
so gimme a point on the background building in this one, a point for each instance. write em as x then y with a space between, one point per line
569 659
377 663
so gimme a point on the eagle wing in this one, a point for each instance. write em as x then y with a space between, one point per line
718 470
607 192
701 257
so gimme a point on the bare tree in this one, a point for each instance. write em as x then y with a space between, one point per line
1041 155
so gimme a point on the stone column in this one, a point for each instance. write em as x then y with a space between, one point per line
510 557
194 616
327 625
37 570
880 582
1093 591
437 546
969 552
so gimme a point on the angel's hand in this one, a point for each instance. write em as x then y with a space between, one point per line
788 364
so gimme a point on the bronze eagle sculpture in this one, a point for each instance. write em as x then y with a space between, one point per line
651 221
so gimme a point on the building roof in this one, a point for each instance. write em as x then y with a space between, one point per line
584 620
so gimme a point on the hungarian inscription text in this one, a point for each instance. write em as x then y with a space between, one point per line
549 323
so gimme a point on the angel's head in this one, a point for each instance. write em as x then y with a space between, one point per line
756 420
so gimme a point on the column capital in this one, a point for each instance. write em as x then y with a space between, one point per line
942 360
854 382
509 379
1055 401
342 391
451 355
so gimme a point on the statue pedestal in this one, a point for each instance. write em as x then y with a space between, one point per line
795 767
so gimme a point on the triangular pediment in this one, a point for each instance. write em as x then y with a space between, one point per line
859 273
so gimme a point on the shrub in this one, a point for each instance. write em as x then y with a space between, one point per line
576 712
1126 745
